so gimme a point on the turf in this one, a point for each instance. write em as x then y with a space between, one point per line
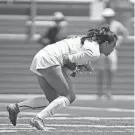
92 117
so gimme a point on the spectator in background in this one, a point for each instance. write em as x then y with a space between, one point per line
107 66
131 26
56 32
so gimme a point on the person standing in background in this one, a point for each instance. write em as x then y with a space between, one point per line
107 66
56 32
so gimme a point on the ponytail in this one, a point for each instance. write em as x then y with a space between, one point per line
99 35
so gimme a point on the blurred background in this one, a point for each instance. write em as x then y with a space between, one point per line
23 21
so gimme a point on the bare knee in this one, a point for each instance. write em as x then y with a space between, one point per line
51 98
71 98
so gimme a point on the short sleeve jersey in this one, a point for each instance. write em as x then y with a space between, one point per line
72 47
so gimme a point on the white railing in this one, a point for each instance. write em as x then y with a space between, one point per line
36 36
65 1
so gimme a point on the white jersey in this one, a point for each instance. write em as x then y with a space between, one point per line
75 51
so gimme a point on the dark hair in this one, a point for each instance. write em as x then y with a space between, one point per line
100 35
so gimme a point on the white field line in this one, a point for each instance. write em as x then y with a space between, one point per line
99 131
95 131
78 97
63 125
4 113
100 109
65 131
8 131
114 97
24 128
79 118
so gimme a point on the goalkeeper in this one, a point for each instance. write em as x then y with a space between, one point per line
55 64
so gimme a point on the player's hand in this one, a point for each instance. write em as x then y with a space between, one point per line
73 74
76 71
88 68
68 63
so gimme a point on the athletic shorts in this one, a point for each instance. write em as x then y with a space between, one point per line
43 60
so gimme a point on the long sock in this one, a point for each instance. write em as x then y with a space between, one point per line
34 103
54 107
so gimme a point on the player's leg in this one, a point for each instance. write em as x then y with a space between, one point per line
34 103
48 90
40 102
100 78
111 70
100 75
61 83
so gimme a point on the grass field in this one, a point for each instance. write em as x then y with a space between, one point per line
86 116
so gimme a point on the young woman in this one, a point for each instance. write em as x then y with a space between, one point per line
50 65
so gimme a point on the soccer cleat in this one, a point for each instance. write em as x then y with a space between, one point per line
13 110
38 124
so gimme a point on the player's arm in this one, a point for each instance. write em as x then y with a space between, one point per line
77 62
122 34
69 64
79 58
88 67
123 30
